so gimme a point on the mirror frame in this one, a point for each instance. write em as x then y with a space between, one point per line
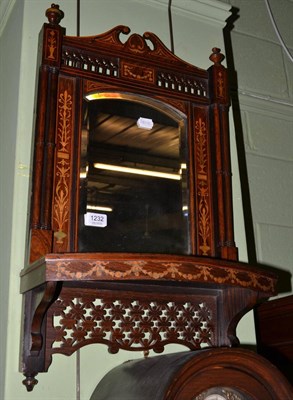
74 67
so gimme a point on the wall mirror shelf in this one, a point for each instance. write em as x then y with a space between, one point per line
131 224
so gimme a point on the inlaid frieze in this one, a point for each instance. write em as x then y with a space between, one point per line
136 72
147 269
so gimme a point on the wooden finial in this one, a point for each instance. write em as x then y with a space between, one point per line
54 14
30 382
216 57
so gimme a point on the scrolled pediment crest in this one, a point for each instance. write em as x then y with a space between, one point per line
135 43
147 45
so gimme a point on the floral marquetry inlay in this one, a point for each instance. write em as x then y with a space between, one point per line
202 187
61 198
52 36
189 269
220 85
140 73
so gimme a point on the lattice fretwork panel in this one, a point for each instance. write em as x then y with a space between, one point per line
182 83
130 321
90 62
109 66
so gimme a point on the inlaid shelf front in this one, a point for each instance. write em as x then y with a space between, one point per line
136 302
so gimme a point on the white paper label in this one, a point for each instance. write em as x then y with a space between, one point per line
94 219
145 123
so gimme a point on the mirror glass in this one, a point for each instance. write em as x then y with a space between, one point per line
133 177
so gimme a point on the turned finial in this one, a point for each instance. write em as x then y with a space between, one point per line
30 381
216 57
54 14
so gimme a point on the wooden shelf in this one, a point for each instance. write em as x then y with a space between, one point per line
136 302
79 267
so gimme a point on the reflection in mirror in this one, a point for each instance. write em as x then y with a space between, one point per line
133 177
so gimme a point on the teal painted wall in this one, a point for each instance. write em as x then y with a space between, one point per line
267 130
265 93
9 90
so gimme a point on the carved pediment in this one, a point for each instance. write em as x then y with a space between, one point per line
148 46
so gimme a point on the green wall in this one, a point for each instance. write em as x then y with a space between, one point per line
266 128
9 91
265 95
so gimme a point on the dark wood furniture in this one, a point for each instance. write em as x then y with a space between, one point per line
78 287
211 374
274 332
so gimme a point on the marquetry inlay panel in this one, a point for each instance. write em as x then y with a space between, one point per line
61 198
127 267
203 197
52 38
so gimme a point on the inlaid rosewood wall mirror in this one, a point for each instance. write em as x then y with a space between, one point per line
131 208
120 105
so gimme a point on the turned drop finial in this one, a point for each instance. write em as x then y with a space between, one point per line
216 57
54 14
30 381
